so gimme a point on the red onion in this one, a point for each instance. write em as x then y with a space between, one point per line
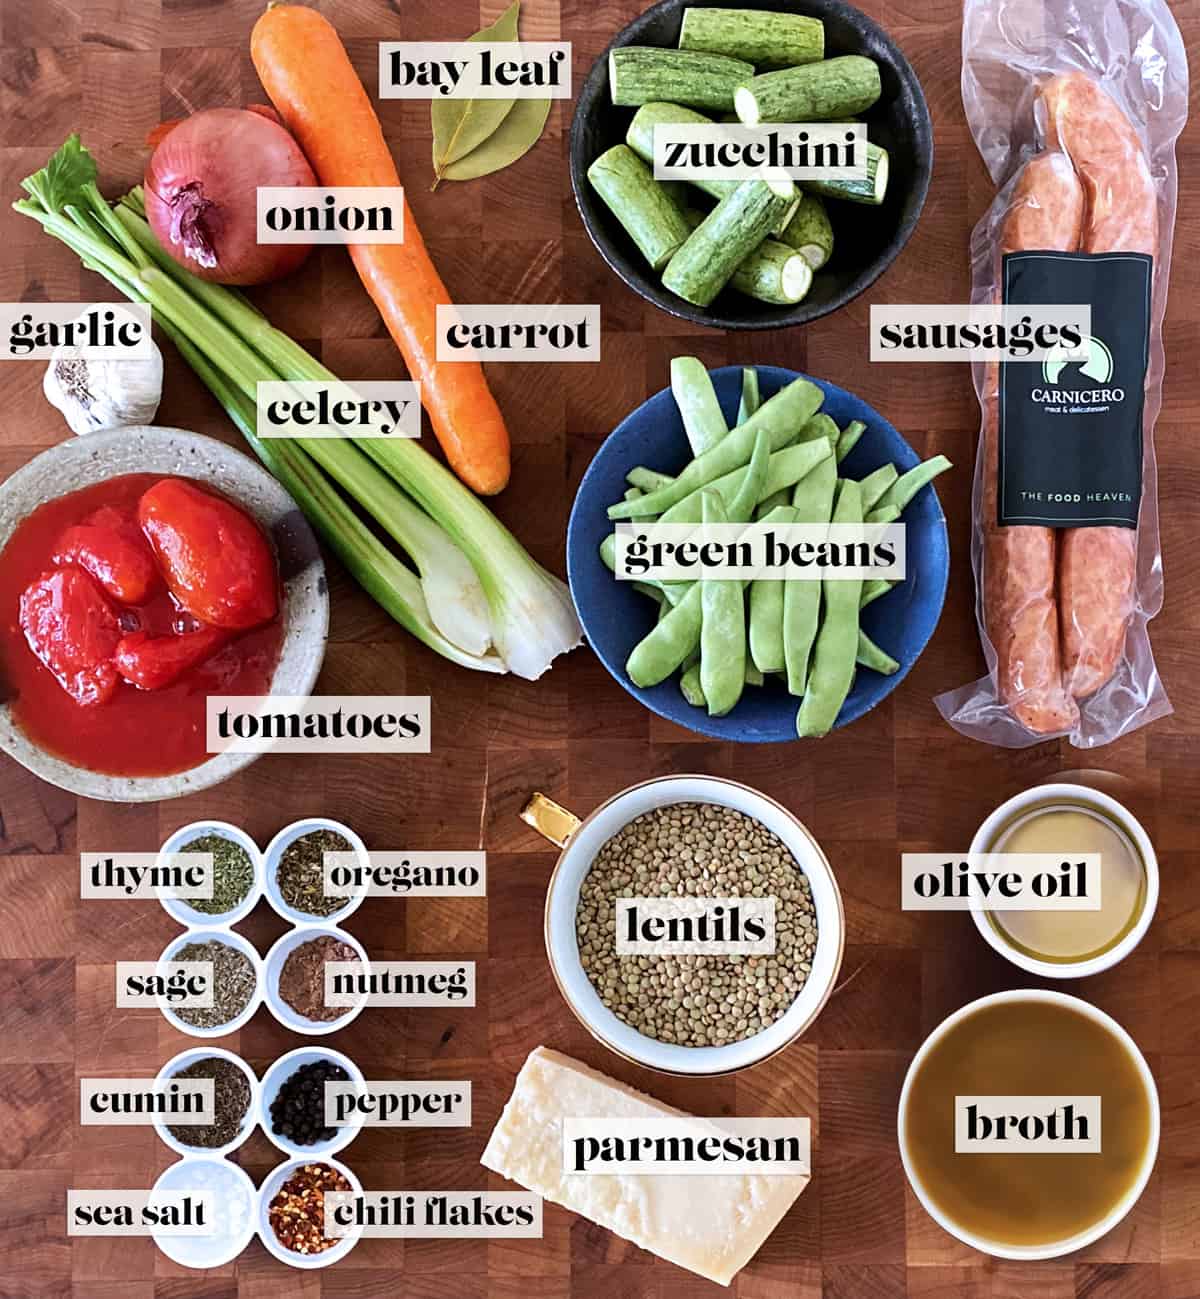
201 194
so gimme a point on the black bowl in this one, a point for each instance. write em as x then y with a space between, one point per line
866 239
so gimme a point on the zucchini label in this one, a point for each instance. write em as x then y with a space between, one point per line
1070 428
831 151
475 70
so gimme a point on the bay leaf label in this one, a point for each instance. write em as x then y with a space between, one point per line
441 70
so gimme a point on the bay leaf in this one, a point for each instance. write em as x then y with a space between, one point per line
512 139
460 125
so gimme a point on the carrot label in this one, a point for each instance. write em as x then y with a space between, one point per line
475 70
518 332
346 214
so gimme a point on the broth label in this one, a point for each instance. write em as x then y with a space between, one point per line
1000 882
140 1213
1027 1125
433 1213
669 1146
129 1102
138 876
398 1104
692 926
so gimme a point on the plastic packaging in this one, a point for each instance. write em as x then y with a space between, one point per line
1096 91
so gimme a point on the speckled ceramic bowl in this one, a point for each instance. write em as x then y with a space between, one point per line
83 461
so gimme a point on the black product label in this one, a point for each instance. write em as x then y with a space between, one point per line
1071 431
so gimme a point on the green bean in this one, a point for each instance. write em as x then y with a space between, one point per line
848 438
820 426
697 401
722 631
608 552
670 641
672 593
813 503
788 409
873 589
836 647
769 503
784 470
753 676
741 508
871 656
750 399
636 494
690 688
766 609
884 514
875 484
649 480
909 484
654 592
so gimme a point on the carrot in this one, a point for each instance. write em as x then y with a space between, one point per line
311 81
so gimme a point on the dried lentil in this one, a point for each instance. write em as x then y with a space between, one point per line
702 850
297 1210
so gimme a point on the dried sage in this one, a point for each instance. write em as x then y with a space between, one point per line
459 125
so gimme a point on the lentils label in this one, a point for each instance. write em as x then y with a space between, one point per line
696 851
695 926
137 876
435 1213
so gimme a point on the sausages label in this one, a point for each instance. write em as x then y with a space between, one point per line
1071 430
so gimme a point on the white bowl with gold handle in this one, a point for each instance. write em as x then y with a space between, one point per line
582 840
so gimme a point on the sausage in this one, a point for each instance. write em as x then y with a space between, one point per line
1020 610
1098 566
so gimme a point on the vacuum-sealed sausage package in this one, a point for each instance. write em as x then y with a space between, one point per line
1075 106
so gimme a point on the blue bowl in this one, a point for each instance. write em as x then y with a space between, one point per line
615 617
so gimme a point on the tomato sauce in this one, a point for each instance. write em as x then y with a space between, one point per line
136 732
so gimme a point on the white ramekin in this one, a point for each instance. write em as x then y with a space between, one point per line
188 916
1053 1249
266 1193
231 938
174 1177
562 900
251 1117
1085 796
273 965
274 852
279 1073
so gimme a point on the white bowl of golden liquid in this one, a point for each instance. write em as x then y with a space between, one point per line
1069 820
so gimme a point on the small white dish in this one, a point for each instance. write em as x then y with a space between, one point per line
231 938
1066 795
279 1073
267 1192
232 1190
273 965
275 850
1054 1249
249 1119
178 909
562 900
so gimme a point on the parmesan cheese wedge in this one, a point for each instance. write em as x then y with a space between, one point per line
711 1225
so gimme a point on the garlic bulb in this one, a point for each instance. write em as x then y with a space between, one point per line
94 395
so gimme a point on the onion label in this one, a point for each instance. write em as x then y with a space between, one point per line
320 409
317 214
475 70
96 331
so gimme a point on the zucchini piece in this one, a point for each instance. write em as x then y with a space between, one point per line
639 74
705 263
810 231
774 40
871 190
772 272
815 92
640 138
639 203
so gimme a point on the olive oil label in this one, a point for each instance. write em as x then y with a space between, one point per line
694 926
724 151
330 214
486 1214
375 409
182 985
1070 430
129 1102
518 332
400 983
406 874
398 1104
137 876
999 881
140 1213
1029 1125
686 1146
474 70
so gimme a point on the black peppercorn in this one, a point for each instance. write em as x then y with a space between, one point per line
298 1110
